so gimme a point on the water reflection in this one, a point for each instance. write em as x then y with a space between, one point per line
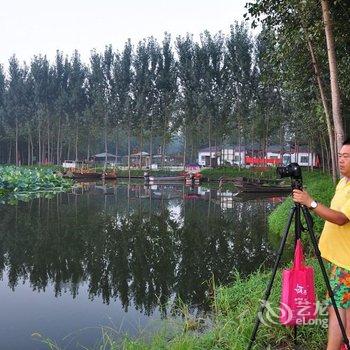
141 245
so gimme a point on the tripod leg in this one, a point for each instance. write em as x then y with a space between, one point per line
324 273
269 287
297 235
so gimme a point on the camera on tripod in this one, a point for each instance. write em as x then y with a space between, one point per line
292 170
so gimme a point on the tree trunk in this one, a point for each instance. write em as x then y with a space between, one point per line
184 150
31 149
141 147
327 155
68 149
326 110
48 141
209 139
58 160
151 145
88 146
39 142
164 139
10 153
336 103
129 147
76 142
28 149
116 146
17 154
106 145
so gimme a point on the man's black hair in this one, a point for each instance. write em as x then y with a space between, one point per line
346 141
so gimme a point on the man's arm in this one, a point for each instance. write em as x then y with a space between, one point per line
333 216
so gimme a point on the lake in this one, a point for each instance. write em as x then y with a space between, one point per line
121 255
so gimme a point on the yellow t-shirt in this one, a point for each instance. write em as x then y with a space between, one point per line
334 243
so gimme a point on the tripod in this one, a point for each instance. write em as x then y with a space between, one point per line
296 213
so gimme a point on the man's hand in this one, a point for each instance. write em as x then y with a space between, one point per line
333 216
302 197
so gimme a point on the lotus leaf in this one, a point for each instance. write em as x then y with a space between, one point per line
24 182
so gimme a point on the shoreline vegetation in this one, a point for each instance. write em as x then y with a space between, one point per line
24 183
234 308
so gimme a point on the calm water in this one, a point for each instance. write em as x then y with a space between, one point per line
118 256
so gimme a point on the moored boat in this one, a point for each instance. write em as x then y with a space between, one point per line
260 186
162 179
82 175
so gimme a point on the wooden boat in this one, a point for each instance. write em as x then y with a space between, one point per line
260 186
82 175
162 179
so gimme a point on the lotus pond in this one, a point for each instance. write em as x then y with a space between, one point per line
24 183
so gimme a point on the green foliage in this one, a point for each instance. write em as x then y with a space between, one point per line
23 180
231 172
234 318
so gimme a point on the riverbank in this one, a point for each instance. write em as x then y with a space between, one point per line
235 306
234 312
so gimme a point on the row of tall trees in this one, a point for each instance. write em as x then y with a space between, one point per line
206 92
232 88
311 57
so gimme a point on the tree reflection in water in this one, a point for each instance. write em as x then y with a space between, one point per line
143 246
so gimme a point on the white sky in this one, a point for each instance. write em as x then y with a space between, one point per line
30 27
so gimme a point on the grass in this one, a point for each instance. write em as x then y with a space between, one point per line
235 308
234 311
231 172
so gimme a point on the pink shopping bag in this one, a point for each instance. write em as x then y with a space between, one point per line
298 299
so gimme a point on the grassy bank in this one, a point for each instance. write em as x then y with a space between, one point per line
234 311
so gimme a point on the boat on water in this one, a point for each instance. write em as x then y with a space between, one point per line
163 179
82 175
260 186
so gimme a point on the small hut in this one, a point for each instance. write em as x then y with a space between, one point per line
109 157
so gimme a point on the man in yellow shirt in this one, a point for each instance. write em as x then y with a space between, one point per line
334 245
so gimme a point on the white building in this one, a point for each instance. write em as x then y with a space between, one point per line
219 156
205 154
233 155
303 158
237 155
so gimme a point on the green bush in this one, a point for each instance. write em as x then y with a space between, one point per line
23 179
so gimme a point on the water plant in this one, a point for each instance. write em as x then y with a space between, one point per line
21 182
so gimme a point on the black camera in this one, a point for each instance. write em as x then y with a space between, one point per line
293 171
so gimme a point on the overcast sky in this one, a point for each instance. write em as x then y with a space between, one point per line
30 27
